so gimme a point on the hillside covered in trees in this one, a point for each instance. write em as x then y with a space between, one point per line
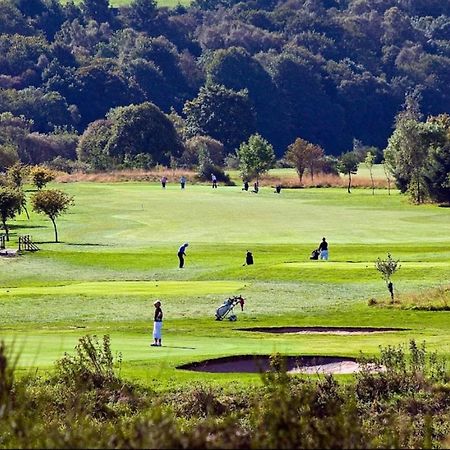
328 71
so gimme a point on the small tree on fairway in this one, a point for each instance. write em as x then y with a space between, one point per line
17 173
52 203
304 155
348 165
255 157
387 268
11 202
369 161
41 176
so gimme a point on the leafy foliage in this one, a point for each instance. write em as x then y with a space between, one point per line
41 176
348 165
255 157
328 71
11 202
86 403
221 113
52 203
304 155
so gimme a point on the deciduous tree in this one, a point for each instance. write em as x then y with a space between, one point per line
52 203
41 175
145 129
387 267
348 165
255 157
221 113
11 202
368 162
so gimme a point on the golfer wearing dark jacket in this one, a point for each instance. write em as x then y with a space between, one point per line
323 248
182 254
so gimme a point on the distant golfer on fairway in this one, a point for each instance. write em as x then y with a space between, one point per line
248 259
323 249
182 254
157 324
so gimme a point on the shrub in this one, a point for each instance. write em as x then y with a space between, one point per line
398 372
41 175
92 364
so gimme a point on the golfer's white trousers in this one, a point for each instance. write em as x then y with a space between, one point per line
157 326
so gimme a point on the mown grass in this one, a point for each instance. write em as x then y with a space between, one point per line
119 253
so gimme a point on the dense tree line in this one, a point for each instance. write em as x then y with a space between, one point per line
327 71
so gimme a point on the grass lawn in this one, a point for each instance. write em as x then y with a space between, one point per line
118 254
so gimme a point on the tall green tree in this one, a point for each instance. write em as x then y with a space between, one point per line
99 10
407 152
437 174
221 113
408 149
52 203
437 167
91 147
256 156
236 69
140 14
11 202
348 165
8 156
143 128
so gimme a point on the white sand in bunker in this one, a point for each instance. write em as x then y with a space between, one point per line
320 329
344 367
261 363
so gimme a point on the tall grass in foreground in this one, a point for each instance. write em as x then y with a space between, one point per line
86 404
435 299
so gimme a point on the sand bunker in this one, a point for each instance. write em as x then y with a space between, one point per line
261 363
325 330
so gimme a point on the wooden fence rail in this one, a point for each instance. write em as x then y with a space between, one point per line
26 243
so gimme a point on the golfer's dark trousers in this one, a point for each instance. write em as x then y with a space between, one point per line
181 258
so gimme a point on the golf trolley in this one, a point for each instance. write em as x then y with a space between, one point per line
226 309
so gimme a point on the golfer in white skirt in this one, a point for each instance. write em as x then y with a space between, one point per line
157 324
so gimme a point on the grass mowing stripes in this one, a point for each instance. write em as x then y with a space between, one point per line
119 253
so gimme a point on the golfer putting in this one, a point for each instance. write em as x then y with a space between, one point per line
157 325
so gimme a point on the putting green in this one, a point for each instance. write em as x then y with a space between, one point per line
127 288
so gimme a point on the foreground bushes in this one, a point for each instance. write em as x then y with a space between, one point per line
85 403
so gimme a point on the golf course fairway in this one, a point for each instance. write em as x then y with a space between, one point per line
118 254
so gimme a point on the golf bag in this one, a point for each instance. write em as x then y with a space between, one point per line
226 309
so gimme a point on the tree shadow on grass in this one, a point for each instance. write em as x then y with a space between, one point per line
24 227
182 348
89 244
